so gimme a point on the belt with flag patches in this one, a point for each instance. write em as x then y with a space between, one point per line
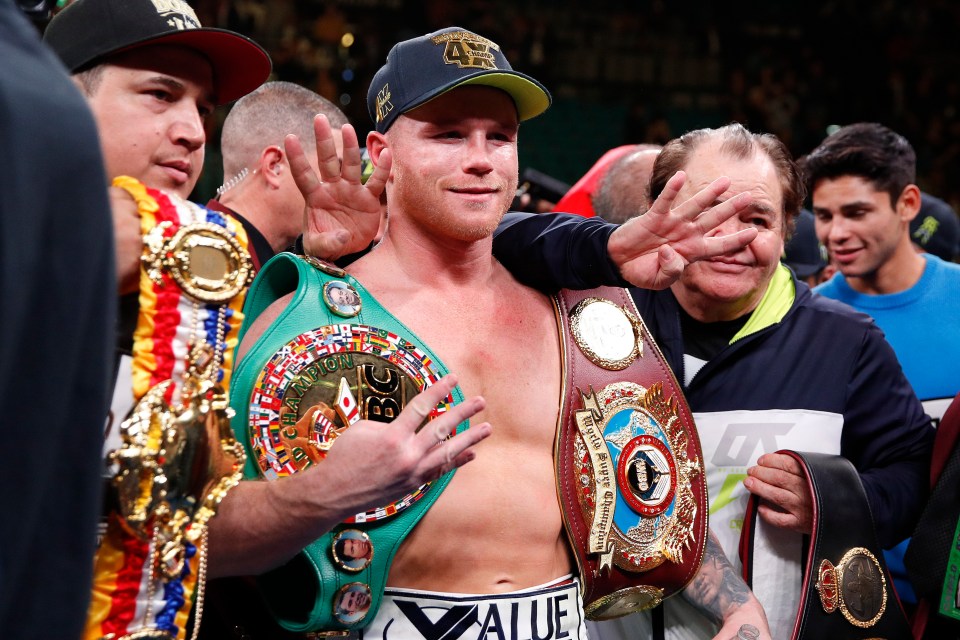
334 356
174 457
847 591
629 468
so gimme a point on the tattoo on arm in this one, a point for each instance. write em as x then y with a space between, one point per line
716 589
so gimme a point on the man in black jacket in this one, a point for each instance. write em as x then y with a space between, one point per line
765 363
56 323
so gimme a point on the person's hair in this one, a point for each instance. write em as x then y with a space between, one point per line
89 79
265 116
739 143
867 150
340 548
623 192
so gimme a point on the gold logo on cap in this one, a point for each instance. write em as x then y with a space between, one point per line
384 106
179 14
466 49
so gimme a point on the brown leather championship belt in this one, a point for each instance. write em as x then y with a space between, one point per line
847 591
629 468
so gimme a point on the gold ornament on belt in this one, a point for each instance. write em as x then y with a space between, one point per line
856 585
608 335
635 475
203 258
177 461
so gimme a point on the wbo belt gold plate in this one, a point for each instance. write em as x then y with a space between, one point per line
636 479
608 335
203 258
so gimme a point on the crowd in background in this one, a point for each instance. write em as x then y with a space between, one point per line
648 71
620 75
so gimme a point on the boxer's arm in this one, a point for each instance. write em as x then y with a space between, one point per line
722 595
554 251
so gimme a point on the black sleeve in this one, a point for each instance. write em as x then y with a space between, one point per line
58 286
557 251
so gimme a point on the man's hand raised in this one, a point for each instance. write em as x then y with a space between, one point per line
653 249
342 214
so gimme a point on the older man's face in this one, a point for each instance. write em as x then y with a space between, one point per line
727 287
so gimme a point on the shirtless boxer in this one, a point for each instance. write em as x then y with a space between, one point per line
451 134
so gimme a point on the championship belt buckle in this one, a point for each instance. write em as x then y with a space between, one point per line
203 258
856 586
306 396
322 382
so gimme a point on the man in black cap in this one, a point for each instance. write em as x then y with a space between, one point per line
803 253
152 76
447 108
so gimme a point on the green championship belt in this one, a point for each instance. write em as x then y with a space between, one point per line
332 357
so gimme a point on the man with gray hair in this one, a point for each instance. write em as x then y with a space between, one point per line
624 191
258 185
765 365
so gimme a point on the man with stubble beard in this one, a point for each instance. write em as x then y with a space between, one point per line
448 134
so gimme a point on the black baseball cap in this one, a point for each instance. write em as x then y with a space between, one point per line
936 229
87 32
803 252
420 69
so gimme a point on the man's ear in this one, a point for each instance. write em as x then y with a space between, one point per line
376 143
272 164
908 204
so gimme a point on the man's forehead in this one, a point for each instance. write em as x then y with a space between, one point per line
465 102
855 185
849 193
755 172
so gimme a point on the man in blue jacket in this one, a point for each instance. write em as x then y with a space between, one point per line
765 364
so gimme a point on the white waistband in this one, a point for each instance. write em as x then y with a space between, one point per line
459 597
545 612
